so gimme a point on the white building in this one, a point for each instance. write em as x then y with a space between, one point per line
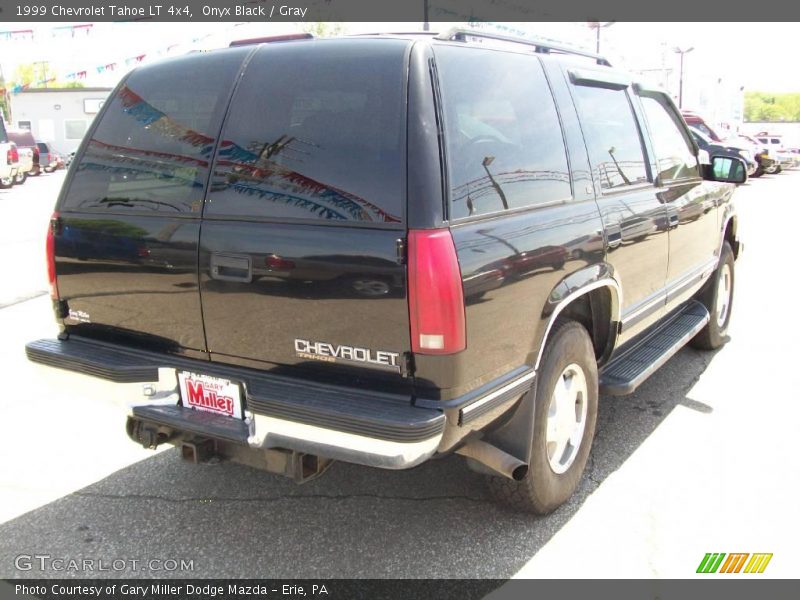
60 116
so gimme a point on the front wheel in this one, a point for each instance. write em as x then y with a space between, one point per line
565 414
20 178
717 297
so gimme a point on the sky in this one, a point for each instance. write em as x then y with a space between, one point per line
756 57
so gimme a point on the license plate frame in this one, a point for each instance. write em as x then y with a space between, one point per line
208 393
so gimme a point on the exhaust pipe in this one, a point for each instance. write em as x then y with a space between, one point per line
495 459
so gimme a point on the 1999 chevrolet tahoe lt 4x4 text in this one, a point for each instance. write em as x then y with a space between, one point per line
382 249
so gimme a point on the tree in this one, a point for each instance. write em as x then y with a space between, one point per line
323 29
771 107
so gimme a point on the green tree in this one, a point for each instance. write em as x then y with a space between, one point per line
323 29
771 107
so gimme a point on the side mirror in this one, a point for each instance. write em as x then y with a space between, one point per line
729 170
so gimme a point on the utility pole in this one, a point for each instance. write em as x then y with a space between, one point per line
425 24
44 71
680 81
597 25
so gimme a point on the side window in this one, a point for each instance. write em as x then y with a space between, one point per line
504 143
612 136
674 154
316 134
151 150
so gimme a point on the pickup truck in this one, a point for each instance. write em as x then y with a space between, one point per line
385 249
9 159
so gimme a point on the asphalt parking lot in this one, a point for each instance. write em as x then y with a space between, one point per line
702 458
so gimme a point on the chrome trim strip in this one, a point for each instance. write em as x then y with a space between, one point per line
675 288
269 432
498 392
616 303
648 304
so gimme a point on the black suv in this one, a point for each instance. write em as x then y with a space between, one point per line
382 249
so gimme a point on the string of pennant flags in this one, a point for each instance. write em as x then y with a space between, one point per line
106 67
61 31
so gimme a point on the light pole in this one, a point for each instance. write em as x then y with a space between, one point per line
680 81
597 25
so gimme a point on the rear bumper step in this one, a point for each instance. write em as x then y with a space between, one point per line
629 370
364 427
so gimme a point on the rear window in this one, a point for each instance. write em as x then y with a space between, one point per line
316 131
505 148
42 147
151 149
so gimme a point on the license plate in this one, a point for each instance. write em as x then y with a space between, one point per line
210 394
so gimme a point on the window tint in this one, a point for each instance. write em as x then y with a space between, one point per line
674 155
150 152
504 143
316 131
612 136
42 147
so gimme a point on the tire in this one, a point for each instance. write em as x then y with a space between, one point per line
6 182
778 169
717 296
550 481
20 178
758 172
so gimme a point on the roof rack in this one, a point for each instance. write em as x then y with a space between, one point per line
460 35
271 39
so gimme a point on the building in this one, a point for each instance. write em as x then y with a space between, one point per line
60 116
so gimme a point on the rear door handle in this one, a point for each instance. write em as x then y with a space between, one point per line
232 267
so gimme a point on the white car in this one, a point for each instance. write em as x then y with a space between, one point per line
777 151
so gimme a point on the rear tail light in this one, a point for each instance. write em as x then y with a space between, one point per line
12 155
435 293
55 222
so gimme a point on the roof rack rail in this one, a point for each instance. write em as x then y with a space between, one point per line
458 34
271 39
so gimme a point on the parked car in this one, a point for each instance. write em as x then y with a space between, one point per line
489 182
760 151
725 150
784 158
9 159
695 120
48 158
24 140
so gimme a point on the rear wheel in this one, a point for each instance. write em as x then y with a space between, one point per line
20 178
6 182
565 414
717 297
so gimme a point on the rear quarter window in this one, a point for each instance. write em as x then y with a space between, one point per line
152 147
316 131
504 143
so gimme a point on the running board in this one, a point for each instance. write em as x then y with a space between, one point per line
629 370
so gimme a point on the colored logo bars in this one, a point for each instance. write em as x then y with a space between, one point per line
713 563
